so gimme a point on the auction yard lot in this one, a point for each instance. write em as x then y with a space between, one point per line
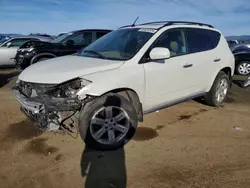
187 145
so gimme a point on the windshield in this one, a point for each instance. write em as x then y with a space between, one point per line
61 38
121 44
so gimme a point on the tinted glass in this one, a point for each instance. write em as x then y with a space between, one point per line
81 38
214 37
174 40
198 40
100 34
33 43
61 38
121 44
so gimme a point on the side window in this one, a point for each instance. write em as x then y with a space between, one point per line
174 40
87 38
214 37
17 42
100 34
81 38
198 40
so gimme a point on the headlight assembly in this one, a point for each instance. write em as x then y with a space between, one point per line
70 88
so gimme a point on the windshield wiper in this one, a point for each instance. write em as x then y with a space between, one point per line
96 53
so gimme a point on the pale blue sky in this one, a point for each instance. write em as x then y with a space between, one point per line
232 17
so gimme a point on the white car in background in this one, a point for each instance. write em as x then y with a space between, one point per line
8 48
104 90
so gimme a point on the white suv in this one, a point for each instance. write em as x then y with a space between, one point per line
104 90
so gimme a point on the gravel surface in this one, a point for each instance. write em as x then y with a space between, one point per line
187 145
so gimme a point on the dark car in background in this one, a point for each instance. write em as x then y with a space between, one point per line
66 44
242 59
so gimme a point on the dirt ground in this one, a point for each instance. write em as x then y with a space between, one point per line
187 145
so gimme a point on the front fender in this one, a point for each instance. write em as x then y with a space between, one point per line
121 78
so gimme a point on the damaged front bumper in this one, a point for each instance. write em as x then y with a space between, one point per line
49 113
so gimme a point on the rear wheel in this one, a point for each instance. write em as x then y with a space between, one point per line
243 68
218 92
107 122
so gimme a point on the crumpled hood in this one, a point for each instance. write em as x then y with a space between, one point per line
61 69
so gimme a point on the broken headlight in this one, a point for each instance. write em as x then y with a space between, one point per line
70 88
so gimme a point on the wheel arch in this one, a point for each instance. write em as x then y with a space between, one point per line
42 55
227 70
130 95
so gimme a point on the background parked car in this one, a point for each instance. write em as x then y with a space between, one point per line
8 48
242 59
5 37
42 35
69 43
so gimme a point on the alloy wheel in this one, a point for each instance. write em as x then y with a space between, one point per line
109 125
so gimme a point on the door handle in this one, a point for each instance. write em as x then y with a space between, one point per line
217 60
187 65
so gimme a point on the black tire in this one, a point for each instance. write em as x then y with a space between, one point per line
210 97
237 70
41 59
96 104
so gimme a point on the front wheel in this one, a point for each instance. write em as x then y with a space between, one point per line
217 94
108 122
243 68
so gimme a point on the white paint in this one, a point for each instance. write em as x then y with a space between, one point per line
155 82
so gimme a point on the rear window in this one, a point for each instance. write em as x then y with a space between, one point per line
198 40
214 37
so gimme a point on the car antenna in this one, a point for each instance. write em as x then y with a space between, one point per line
135 22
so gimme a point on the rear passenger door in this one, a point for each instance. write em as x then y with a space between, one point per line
202 56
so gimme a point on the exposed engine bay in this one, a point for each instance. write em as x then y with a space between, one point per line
53 107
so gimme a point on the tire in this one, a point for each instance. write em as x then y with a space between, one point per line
243 68
98 107
41 59
211 98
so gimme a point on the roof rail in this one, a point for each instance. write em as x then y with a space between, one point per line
167 23
187 22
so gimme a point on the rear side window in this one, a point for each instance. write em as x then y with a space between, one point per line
100 34
198 40
214 37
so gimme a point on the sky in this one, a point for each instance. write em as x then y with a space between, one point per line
232 17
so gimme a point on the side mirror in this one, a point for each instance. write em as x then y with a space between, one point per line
70 43
159 53
8 44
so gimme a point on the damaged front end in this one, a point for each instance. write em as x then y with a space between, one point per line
52 107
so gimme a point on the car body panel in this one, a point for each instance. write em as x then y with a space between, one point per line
61 69
225 60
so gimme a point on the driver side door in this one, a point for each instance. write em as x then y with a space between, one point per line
169 80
